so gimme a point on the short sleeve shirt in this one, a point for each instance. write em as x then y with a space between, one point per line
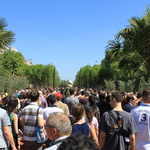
29 114
141 115
115 138
4 121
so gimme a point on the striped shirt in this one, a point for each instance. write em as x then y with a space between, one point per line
29 114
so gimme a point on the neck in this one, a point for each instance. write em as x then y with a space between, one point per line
118 107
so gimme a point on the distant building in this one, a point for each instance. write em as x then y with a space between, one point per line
10 48
29 62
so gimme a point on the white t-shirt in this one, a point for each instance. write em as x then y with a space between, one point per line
49 110
141 115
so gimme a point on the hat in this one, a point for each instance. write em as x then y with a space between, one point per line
40 93
87 107
58 95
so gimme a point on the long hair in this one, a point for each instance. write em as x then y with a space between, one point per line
78 111
12 104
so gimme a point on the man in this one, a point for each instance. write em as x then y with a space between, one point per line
84 100
5 131
58 127
115 125
43 100
130 99
61 105
71 100
52 107
141 115
78 142
29 118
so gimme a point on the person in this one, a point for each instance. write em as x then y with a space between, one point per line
79 126
78 142
115 125
52 107
103 105
85 99
6 137
43 100
91 119
11 109
141 115
29 117
130 99
61 105
95 109
71 99
58 127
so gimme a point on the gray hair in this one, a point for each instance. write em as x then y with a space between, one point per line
59 121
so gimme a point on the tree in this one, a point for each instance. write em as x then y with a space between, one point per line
11 63
132 47
6 37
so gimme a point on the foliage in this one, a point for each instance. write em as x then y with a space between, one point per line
6 37
87 77
42 75
11 63
12 83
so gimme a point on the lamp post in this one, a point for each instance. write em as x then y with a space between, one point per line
54 77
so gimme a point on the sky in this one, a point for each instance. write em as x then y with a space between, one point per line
69 34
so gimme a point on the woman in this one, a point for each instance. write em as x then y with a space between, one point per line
90 118
79 126
12 110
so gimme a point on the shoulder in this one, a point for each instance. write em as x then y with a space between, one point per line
54 147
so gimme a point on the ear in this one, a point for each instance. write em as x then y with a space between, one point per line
55 131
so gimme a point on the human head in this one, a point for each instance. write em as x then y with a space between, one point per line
92 100
87 93
34 95
72 91
117 96
78 142
12 104
89 113
146 96
51 99
40 93
131 98
58 95
57 125
78 111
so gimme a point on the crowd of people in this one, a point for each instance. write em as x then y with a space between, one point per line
74 119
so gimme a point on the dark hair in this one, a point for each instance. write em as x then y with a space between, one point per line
146 93
72 90
82 92
101 97
34 95
12 104
89 113
78 111
129 96
118 96
92 100
51 99
78 142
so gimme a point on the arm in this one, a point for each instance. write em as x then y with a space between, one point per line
132 141
93 134
9 137
15 119
102 139
41 122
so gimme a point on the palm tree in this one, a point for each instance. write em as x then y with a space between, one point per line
6 37
132 46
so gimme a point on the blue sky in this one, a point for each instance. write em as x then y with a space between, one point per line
69 34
